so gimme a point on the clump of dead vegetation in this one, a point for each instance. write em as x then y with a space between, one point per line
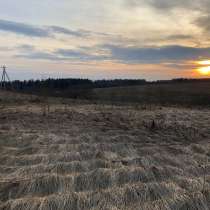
88 156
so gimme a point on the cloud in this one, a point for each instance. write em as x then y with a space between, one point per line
25 47
203 22
181 66
7 49
121 54
72 54
30 52
78 33
38 55
39 31
179 37
195 13
170 4
23 29
157 54
198 10
81 55
174 38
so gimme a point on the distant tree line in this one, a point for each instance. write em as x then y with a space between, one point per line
181 80
73 88
81 88
63 84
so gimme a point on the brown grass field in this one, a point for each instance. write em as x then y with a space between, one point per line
88 156
182 93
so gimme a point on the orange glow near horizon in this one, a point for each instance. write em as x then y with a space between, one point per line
204 70
206 62
204 67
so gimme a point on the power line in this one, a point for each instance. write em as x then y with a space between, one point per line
4 77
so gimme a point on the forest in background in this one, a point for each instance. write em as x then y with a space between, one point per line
165 92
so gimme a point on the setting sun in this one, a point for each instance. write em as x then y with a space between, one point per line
204 67
204 70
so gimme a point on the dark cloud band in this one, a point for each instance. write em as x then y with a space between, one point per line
37 31
157 54
135 55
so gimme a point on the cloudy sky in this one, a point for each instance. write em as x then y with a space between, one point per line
151 39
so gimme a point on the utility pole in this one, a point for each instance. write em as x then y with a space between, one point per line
4 77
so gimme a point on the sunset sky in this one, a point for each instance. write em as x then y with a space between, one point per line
106 39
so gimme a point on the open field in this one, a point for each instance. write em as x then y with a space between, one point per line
173 92
86 156
180 93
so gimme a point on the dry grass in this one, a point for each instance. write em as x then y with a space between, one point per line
83 156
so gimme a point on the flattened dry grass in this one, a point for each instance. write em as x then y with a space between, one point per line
105 157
